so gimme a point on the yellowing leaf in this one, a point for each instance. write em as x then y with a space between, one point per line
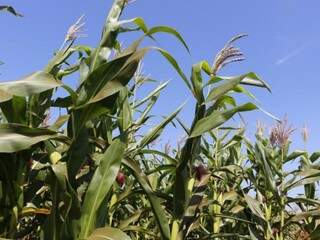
55 157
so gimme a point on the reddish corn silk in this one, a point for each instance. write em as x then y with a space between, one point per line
200 171
121 178
275 231
29 163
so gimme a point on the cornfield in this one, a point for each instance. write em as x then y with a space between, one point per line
87 165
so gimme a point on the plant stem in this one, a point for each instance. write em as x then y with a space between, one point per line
282 200
108 33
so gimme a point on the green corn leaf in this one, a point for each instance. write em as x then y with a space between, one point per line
164 168
109 78
254 206
305 177
294 155
16 137
314 156
171 31
308 201
253 80
77 153
33 84
61 120
175 65
217 118
100 185
110 30
197 82
11 10
153 93
161 154
265 167
125 118
190 214
138 21
155 132
224 88
15 109
304 181
157 209
115 74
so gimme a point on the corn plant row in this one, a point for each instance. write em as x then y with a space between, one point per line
81 165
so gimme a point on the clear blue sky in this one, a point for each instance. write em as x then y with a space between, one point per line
282 46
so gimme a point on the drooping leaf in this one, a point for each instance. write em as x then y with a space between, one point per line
16 137
253 80
175 65
33 84
138 21
294 155
169 30
219 91
11 10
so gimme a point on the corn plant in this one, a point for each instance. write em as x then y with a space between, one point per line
44 164
85 165
274 208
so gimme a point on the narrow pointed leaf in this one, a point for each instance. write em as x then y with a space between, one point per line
100 185
171 31
218 118
253 80
155 132
157 209
151 94
175 65
254 206
219 91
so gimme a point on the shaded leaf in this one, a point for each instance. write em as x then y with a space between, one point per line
254 206
108 233
33 84
16 137
11 10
